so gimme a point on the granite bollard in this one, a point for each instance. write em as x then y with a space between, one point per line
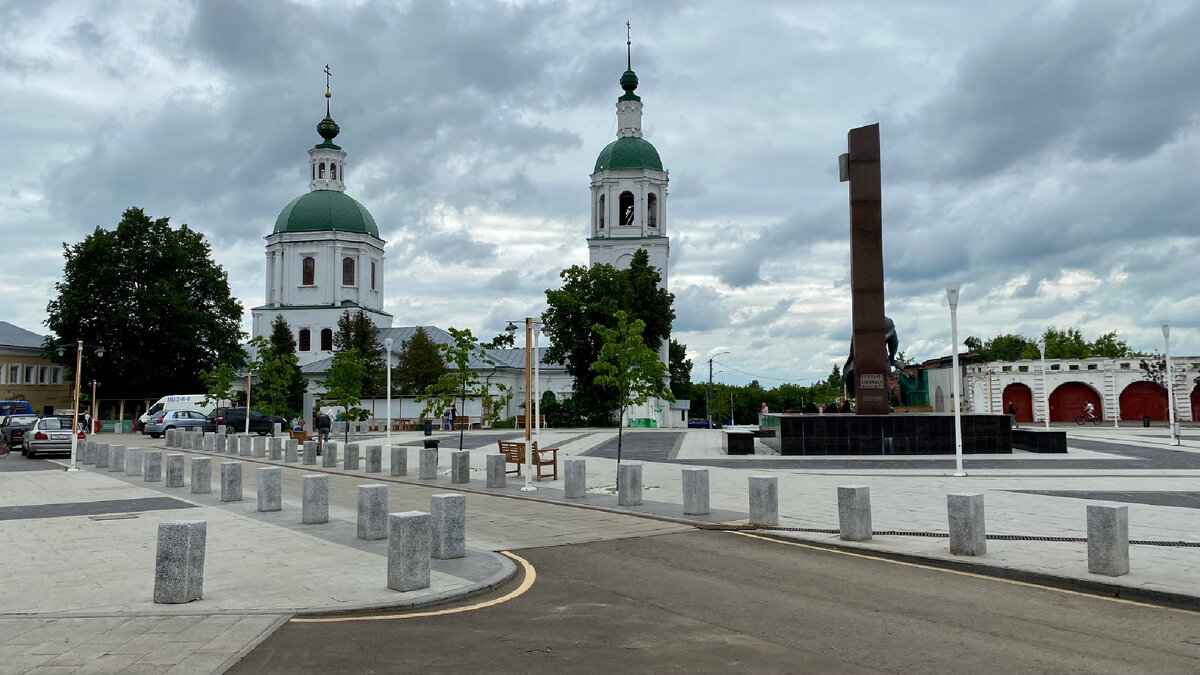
764 501
289 450
315 509
116 458
967 533
460 466
854 512
179 561
201 475
409 544
372 511
86 452
449 512
133 462
695 492
152 466
495 471
101 455
231 481
275 448
277 429
429 463
310 452
197 439
245 446
270 488
210 442
350 461
329 456
219 443
375 462
258 447
220 429
399 466
629 484
1108 539
169 437
175 470
574 477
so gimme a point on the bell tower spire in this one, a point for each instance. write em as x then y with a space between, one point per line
327 160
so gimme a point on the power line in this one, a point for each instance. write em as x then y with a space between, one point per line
776 379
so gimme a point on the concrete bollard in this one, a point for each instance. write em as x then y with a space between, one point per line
201 475
274 448
169 437
372 511
967 533
429 461
116 458
695 492
399 465
258 447
574 477
629 484
101 455
460 466
289 450
310 452
375 460
329 456
175 470
219 442
197 441
133 462
409 544
764 501
315 508
449 512
85 453
179 561
276 429
220 429
854 512
495 471
1108 539
245 446
210 443
152 466
231 481
270 488
350 461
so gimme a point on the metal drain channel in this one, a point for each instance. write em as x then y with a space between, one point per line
943 535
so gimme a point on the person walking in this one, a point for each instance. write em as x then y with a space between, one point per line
324 424
453 416
1012 414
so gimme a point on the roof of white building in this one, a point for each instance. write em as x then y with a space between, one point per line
15 336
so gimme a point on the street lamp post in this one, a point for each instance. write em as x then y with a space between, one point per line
511 328
1041 345
93 408
1166 330
387 347
249 374
708 394
75 413
952 298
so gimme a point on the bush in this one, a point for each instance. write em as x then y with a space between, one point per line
510 423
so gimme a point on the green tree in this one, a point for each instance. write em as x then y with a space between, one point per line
462 381
357 331
1006 347
1110 346
283 342
680 368
153 297
593 295
276 369
344 385
419 364
502 341
218 384
628 366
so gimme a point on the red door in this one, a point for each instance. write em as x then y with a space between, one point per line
1022 396
1069 400
1144 399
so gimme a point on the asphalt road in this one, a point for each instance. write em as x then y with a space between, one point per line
717 602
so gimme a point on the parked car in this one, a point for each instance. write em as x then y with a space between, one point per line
699 423
173 419
49 434
13 429
235 419
15 408
198 402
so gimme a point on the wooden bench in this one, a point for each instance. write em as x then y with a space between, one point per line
300 436
521 421
514 451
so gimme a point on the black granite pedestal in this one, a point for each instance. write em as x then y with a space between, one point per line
896 434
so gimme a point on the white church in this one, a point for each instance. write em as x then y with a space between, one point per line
325 257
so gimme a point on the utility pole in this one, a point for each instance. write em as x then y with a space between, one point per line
708 395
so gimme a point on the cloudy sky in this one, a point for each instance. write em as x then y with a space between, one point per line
1045 154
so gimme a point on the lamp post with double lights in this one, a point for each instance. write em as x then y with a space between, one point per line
1166 330
75 413
1041 345
952 298
530 395
387 348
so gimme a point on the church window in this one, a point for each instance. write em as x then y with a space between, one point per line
652 210
321 171
627 209
309 267
601 212
333 171
305 339
347 271
326 339
314 168
372 276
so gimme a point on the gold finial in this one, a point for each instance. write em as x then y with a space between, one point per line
327 94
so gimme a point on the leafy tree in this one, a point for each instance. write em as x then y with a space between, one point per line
593 295
628 366
1000 348
152 296
344 385
357 331
680 367
502 341
1067 343
218 384
419 365
462 381
283 343
1110 346
276 370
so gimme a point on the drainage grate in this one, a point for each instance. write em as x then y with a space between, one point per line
942 535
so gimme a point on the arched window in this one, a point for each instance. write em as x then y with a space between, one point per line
326 339
652 210
321 171
626 209
347 271
309 271
333 171
601 212
314 168
372 275
305 339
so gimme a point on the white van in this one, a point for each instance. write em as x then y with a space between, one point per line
176 402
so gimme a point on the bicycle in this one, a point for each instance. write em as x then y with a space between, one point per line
1083 419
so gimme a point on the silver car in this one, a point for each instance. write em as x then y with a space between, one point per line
158 425
48 434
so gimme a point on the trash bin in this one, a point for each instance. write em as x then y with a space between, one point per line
1145 420
432 443
428 429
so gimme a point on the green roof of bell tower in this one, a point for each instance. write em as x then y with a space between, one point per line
326 210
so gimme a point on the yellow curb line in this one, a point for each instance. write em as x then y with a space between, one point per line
526 584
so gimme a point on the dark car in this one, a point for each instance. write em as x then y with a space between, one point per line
234 420
13 429
699 423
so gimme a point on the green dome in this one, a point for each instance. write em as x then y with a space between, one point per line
325 210
630 152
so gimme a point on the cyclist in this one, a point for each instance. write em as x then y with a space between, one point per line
1090 411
